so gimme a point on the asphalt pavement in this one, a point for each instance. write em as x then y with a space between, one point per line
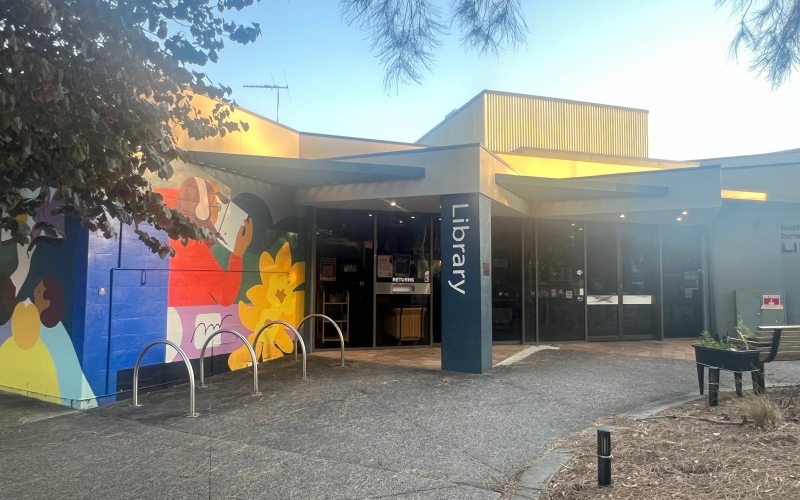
362 431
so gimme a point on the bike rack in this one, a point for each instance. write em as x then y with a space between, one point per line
249 348
325 318
192 413
296 336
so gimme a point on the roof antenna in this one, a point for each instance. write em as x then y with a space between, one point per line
277 89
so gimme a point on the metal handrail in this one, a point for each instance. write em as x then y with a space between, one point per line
192 413
296 335
335 325
249 348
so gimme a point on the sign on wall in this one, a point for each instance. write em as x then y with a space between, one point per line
771 302
327 269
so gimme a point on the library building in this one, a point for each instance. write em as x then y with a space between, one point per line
518 219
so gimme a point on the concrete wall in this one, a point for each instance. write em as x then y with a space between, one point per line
752 247
466 126
328 146
263 138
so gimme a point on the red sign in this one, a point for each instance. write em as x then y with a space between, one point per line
771 302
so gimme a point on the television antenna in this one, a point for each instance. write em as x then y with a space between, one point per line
277 89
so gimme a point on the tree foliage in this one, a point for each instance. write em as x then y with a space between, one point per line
770 31
405 33
89 93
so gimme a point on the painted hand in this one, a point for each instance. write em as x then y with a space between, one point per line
243 238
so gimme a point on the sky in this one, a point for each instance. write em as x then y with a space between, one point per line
667 56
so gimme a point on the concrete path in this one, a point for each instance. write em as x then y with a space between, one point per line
363 431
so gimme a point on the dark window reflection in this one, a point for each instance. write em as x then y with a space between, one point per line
601 279
683 297
640 282
506 279
344 276
561 281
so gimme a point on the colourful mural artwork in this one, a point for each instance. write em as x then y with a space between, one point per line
276 298
233 283
38 354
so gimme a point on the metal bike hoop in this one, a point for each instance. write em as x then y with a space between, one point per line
325 318
249 348
296 336
175 346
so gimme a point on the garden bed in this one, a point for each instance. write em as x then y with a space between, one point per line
693 452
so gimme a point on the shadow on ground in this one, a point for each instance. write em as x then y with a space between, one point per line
362 431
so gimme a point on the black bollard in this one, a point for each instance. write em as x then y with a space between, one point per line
603 456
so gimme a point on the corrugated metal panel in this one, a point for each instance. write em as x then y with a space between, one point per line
516 121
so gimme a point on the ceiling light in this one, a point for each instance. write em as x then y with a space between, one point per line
684 213
573 223
370 215
393 203
679 218
413 217
401 222
621 216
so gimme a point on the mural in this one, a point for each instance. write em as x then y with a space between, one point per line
38 353
241 281
75 312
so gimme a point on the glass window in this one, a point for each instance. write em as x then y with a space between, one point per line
344 276
529 262
561 281
404 242
640 282
601 280
506 279
683 286
404 247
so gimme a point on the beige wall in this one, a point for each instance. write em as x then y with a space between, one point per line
447 171
264 137
467 126
559 168
516 121
326 146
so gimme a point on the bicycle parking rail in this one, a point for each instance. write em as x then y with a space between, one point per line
192 413
326 318
249 348
296 336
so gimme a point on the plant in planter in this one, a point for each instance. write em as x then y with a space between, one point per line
736 355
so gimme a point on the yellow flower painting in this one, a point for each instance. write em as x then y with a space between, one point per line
276 298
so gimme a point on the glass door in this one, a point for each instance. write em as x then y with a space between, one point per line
561 281
602 281
344 277
683 282
403 279
641 282
506 279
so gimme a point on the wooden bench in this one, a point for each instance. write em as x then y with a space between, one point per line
777 343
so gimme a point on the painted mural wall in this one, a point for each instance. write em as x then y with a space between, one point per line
40 348
253 274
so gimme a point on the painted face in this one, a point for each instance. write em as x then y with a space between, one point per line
38 298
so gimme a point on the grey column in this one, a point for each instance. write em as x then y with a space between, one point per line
466 283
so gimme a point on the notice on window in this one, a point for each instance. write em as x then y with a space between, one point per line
327 269
385 266
771 302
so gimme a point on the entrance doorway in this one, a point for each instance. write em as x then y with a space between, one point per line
403 278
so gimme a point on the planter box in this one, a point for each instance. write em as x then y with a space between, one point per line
735 361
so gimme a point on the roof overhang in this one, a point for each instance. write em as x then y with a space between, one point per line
541 189
303 172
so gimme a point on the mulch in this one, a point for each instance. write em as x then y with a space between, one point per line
690 452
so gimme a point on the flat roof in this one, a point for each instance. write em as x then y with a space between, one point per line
304 172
